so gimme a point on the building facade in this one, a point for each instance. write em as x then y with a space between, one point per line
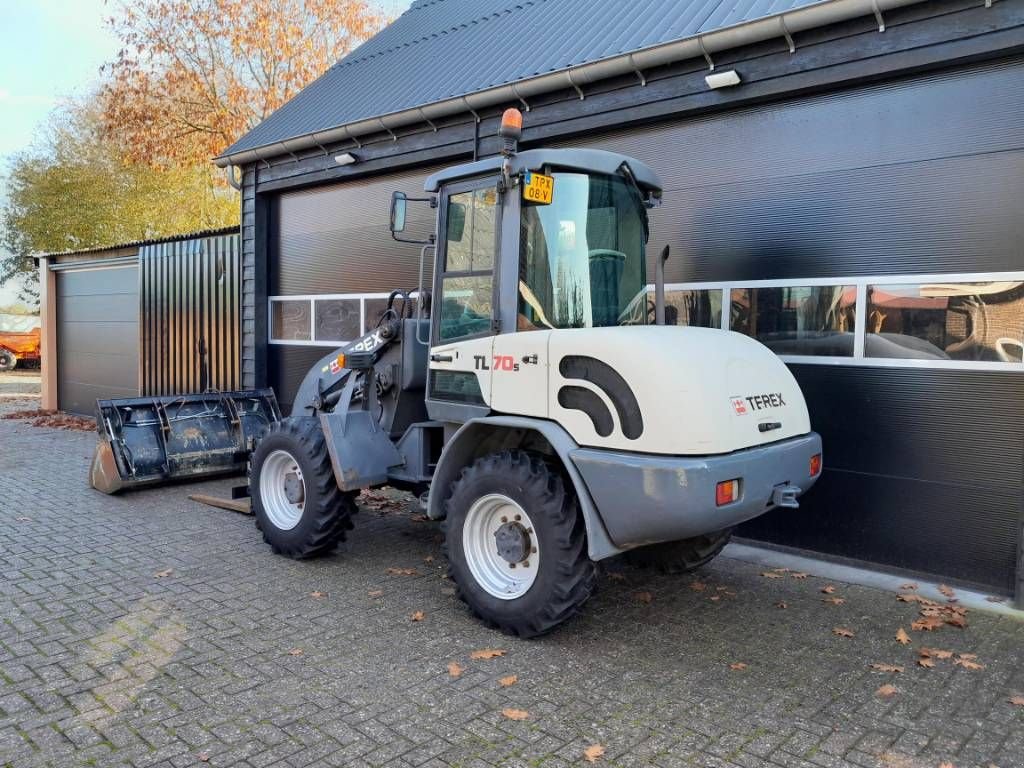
854 202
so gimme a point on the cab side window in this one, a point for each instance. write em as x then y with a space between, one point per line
467 282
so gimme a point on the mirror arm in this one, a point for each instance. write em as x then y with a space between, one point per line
659 287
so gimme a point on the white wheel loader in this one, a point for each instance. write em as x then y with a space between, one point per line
541 408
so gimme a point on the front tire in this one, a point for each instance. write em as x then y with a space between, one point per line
296 501
8 362
683 556
516 544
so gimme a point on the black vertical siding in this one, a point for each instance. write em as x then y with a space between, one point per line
191 321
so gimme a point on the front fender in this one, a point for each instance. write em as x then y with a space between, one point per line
461 450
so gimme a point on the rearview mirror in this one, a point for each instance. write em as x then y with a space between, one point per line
456 221
398 206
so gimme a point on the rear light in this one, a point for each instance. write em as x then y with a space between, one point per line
815 465
727 492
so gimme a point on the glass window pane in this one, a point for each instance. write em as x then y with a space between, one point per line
697 308
581 258
946 321
375 309
290 320
337 319
471 230
465 306
797 320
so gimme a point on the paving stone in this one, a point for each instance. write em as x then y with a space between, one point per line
103 664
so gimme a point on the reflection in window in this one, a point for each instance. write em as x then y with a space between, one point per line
374 309
946 321
800 320
471 230
695 308
465 306
290 320
337 320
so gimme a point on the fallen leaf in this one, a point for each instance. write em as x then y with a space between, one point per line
401 571
644 597
947 591
698 586
715 598
909 586
926 662
592 753
417 616
771 575
935 653
834 600
515 714
887 691
428 559
487 653
828 590
295 652
799 575
1017 701
967 663
508 680
957 621
616 576
781 604
927 624
455 669
781 570
420 519
967 655
163 574
842 632
946 764
737 666
902 637
995 599
317 594
202 757
375 593
886 667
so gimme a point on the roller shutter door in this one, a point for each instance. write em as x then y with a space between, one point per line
97 336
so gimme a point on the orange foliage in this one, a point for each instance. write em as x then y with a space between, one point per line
194 75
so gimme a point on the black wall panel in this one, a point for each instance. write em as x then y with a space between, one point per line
286 367
335 239
923 471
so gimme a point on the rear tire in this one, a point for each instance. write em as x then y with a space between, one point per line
683 556
526 501
297 503
8 362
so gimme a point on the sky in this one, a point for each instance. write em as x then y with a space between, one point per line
51 50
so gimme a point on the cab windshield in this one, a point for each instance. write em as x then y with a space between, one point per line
581 257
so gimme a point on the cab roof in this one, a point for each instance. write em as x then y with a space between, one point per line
587 160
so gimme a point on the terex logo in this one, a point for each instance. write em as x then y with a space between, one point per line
760 402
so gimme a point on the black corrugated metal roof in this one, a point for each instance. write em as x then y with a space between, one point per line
140 243
441 49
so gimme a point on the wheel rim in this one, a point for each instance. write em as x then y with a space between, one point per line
501 547
282 490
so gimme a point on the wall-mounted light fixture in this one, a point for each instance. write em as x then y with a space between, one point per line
723 79
345 158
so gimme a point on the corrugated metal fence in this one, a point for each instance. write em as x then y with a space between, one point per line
189 292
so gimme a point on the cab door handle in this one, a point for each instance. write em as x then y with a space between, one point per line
440 358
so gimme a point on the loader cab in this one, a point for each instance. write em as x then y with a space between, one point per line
569 223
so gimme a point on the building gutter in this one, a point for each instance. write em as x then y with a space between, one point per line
705 45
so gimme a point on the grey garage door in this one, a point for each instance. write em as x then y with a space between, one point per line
97 336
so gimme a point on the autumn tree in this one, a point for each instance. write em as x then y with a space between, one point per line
76 188
194 75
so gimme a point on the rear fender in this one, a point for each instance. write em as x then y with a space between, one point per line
464 447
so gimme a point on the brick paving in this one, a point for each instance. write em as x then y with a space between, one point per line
105 663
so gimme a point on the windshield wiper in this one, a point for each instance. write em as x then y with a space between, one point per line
627 172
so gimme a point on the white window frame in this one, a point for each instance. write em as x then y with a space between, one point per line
861 283
312 298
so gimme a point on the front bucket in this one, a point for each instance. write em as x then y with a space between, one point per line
151 440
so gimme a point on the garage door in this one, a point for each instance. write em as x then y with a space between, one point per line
906 195
97 336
